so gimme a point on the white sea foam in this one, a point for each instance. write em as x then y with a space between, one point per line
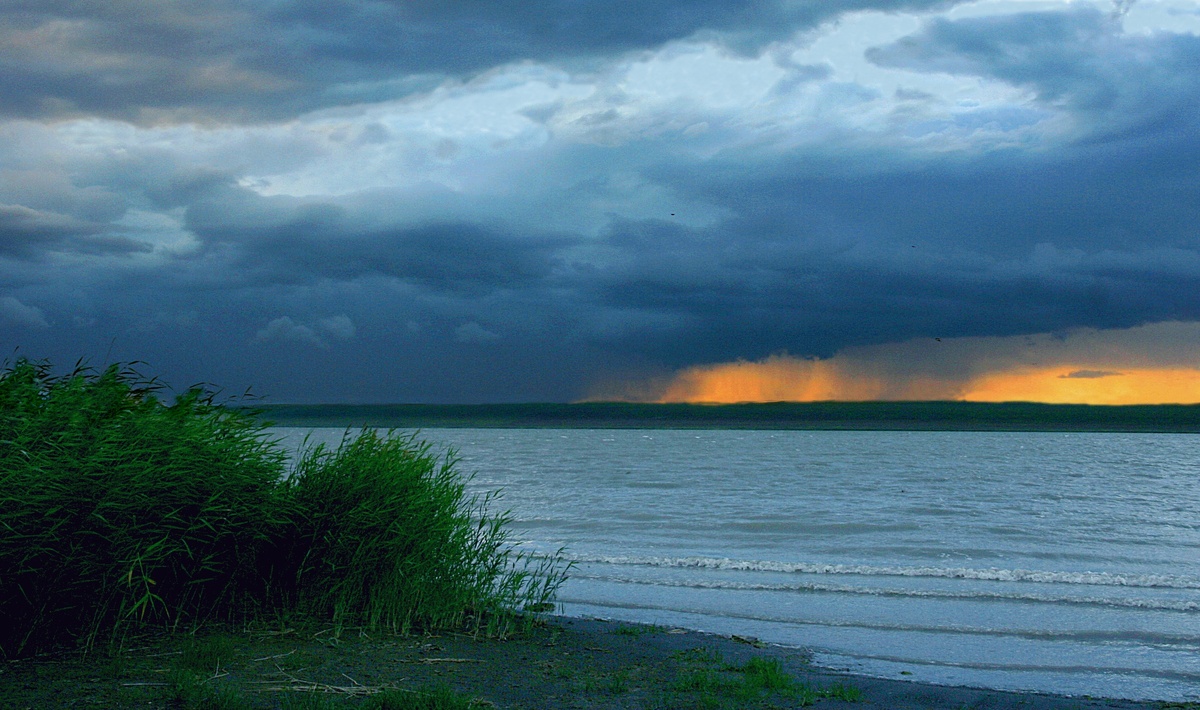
1104 579
1183 642
970 595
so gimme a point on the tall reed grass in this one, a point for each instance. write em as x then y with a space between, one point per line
386 535
118 510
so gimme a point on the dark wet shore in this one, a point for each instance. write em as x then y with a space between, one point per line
564 663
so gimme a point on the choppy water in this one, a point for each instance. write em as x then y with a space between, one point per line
1065 563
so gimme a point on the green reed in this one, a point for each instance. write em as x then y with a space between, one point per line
117 510
114 507
387 536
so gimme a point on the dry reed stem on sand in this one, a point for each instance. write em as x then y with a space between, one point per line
749 640
148 684
278 655
299 685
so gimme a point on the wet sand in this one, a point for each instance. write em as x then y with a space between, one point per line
560 664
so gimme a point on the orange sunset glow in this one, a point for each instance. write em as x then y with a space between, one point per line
804 381
1053 386
784 379
1152 364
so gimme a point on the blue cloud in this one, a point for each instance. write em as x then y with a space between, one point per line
242 60
597 226
1079 59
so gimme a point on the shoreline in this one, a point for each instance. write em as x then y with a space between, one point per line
878 692
793 416
562 663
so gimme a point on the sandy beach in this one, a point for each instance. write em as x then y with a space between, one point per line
560 664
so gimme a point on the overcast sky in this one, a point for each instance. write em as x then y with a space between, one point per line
464 201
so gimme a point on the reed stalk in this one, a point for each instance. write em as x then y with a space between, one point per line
118 510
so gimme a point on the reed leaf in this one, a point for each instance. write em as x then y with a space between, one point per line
118 510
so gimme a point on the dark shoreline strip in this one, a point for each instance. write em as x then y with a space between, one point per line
562 663
878 693
862 416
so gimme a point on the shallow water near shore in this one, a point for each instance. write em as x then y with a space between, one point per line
1053 562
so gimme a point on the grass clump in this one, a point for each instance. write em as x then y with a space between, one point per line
193 692
118 510
766 674
387 537
701 680
711 682
208 654
638 630
841 691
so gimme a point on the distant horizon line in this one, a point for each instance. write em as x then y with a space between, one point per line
888 415
973 403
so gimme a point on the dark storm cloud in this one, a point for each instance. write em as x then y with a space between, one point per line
241 60
1090 374
445 257
316 334
288 240
826 252
756 296
1086 198
427 258
29 233
1078 59
412 35
48 187
118 58
15 313
22 228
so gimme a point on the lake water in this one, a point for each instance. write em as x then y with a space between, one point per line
1065 563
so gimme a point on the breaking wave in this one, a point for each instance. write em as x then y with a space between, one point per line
1103 579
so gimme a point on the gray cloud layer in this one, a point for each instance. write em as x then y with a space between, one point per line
244 60
617 238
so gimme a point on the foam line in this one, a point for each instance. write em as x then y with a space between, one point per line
1155 604
1104 579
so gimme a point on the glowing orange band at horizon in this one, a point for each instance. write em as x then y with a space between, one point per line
773 380
1131 386
790 380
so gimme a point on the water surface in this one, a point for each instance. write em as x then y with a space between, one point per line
1064 563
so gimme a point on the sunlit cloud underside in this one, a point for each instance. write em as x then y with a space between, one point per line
1152 364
